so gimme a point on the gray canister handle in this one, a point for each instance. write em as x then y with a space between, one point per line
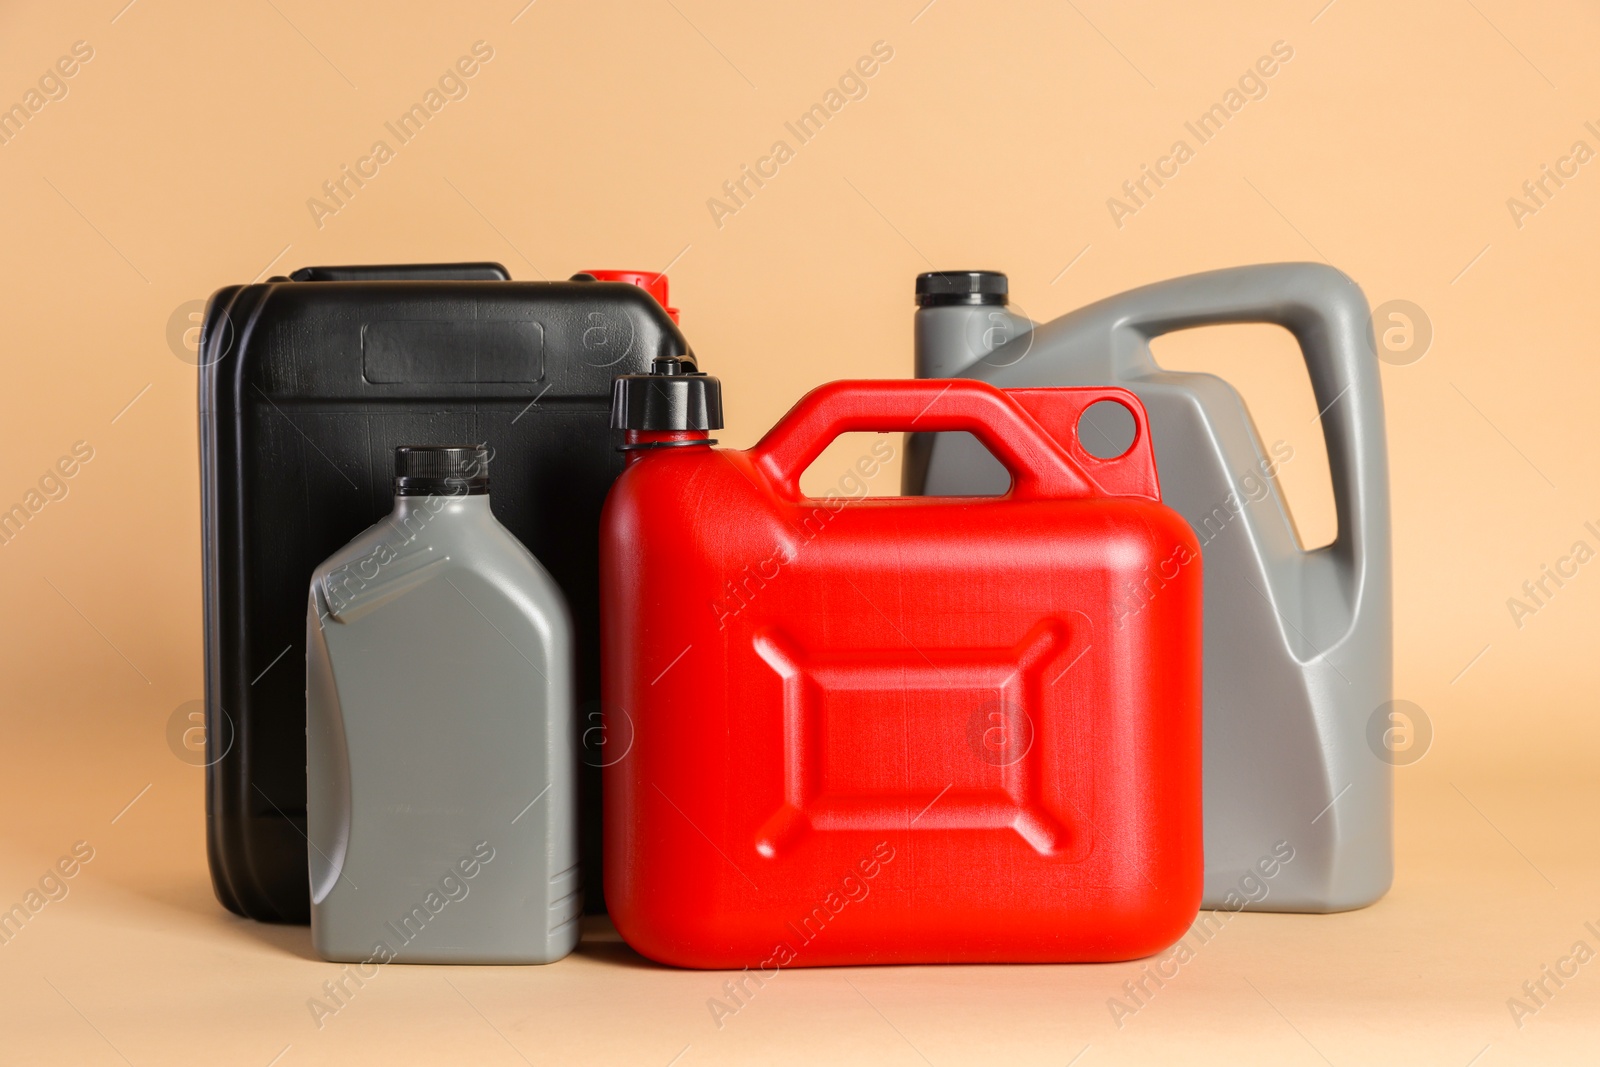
1328 315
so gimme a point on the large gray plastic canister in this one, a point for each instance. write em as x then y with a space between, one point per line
1298 644
441 805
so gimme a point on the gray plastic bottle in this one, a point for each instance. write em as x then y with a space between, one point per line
1298 644
440 762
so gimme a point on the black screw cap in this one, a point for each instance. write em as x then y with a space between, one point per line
441 470
951 288
676 395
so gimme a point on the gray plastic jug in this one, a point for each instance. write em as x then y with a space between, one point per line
1298 644
441 767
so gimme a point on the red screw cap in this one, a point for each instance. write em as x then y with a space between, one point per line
654 284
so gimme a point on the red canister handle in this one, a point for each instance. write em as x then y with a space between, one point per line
1041 468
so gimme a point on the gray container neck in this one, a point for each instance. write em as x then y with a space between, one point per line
410 509
949 341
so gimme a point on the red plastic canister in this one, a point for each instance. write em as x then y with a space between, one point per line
903 729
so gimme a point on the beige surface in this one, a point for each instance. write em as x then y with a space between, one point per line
145 964
182 157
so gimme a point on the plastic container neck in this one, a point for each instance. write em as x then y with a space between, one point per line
407 507
641 443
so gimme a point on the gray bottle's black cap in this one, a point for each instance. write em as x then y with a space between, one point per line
676 395
441 470
952 288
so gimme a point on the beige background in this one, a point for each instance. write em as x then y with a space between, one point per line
181 159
